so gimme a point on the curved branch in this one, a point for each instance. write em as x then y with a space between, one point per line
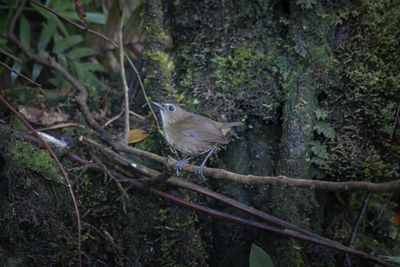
266 180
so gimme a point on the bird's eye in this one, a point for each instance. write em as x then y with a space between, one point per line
171 108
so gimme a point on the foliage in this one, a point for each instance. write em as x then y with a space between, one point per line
259 258
56 40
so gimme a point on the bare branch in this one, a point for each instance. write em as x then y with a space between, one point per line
395 122
11 28
270 180
125 85
2 51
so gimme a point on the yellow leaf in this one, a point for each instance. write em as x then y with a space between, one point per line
137 135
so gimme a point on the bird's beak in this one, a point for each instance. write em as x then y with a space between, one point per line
160 106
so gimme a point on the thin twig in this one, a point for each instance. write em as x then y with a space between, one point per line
2 51
290 233
388 199
360 216
13 22
107 172
116 117
113 44
357 224
395 123
136 115
62 125
20 74
125 85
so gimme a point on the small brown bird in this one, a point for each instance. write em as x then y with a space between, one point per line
192 134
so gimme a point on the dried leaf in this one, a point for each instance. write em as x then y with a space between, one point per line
80 10
40 116
137 135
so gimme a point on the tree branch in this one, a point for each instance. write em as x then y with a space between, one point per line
267 180
125 85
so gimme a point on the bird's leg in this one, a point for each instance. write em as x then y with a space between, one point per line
199 170
180 162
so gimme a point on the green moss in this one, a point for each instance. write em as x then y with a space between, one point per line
225 66
159 68
30 157
165 69
24 95
363 109
18 125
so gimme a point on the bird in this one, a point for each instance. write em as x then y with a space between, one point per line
193 134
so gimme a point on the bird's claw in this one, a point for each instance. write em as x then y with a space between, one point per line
179 163
178 167
199 171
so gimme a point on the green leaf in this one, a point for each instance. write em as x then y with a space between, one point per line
82 70
81 52
5 20
25 32
46 34
319 150
392 259
62 60
58 81
321 114
93 81
259 258
98 18
61 6
90 66
41 11
17 66
37 69
91 17
60 26
132 26
325 129
66 43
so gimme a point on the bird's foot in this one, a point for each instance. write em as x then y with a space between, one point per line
199 171
179 163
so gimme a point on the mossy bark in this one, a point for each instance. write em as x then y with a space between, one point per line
317 85
158 67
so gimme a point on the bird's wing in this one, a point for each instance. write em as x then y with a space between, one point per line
201 130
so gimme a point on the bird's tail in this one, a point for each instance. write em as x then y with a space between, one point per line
233 124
